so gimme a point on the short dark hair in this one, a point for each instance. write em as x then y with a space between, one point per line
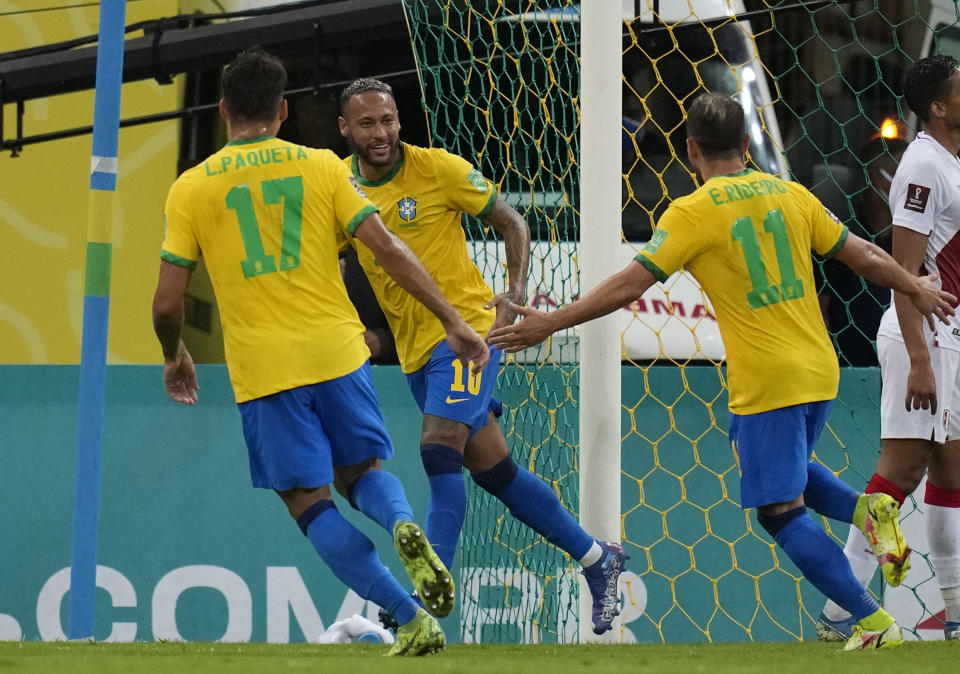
926 81
253 84
362 86
715 122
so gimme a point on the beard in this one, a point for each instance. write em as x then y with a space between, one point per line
378 161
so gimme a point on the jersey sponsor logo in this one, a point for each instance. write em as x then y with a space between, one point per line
917 196
407 208
475 178
451 400
653 245
356 186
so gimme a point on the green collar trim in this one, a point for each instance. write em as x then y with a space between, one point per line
247 141
733 175
354 163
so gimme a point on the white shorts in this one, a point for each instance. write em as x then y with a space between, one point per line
895 420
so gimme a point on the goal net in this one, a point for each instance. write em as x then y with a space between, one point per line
819 81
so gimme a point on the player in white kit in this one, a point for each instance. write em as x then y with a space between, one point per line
920 364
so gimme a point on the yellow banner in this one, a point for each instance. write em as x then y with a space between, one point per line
45 199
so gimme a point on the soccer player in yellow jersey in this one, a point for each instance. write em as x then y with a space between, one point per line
270 217
422 195
746 237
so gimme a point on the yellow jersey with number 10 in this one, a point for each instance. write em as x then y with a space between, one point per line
269 218
422 201
747 238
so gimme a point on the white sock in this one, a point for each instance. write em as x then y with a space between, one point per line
592 557
864 565
951 599
943 534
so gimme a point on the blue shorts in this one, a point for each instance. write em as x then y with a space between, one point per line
774 449
445 388
295 438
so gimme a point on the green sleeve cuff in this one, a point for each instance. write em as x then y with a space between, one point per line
360 217
167 256
490 202
839 244
651 267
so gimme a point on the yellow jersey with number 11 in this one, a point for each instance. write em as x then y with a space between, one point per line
747 238
269 218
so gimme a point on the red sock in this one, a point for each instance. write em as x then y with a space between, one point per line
939 496
880 484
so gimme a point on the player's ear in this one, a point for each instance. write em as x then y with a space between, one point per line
938 109
746 143
283 111
344 129
223 109
693 150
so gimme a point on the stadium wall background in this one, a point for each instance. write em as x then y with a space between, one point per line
191 551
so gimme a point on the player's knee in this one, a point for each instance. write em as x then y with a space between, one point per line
306 518
774 524
909 479
486 448
944 468
446 437
497 478
439 459
442 431
346 477
479 459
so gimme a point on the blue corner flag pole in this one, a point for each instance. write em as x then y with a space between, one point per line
96 314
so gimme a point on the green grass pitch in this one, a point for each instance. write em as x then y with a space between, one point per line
207 658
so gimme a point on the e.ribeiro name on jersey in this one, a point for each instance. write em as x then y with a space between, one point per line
925 197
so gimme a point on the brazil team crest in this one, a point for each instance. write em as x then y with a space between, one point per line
407 208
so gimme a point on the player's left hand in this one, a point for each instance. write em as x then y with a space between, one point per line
506 315
921 388
180 377
532 329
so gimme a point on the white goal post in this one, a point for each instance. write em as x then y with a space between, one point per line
601 26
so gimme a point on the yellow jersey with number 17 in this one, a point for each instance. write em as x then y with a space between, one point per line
422 201
747 238
269 218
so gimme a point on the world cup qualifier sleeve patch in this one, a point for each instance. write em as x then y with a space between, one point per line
356 186
917 196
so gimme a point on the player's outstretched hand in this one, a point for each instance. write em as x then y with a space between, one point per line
469 346
532 329
933 302
180 377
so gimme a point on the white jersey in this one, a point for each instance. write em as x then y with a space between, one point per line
925 197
